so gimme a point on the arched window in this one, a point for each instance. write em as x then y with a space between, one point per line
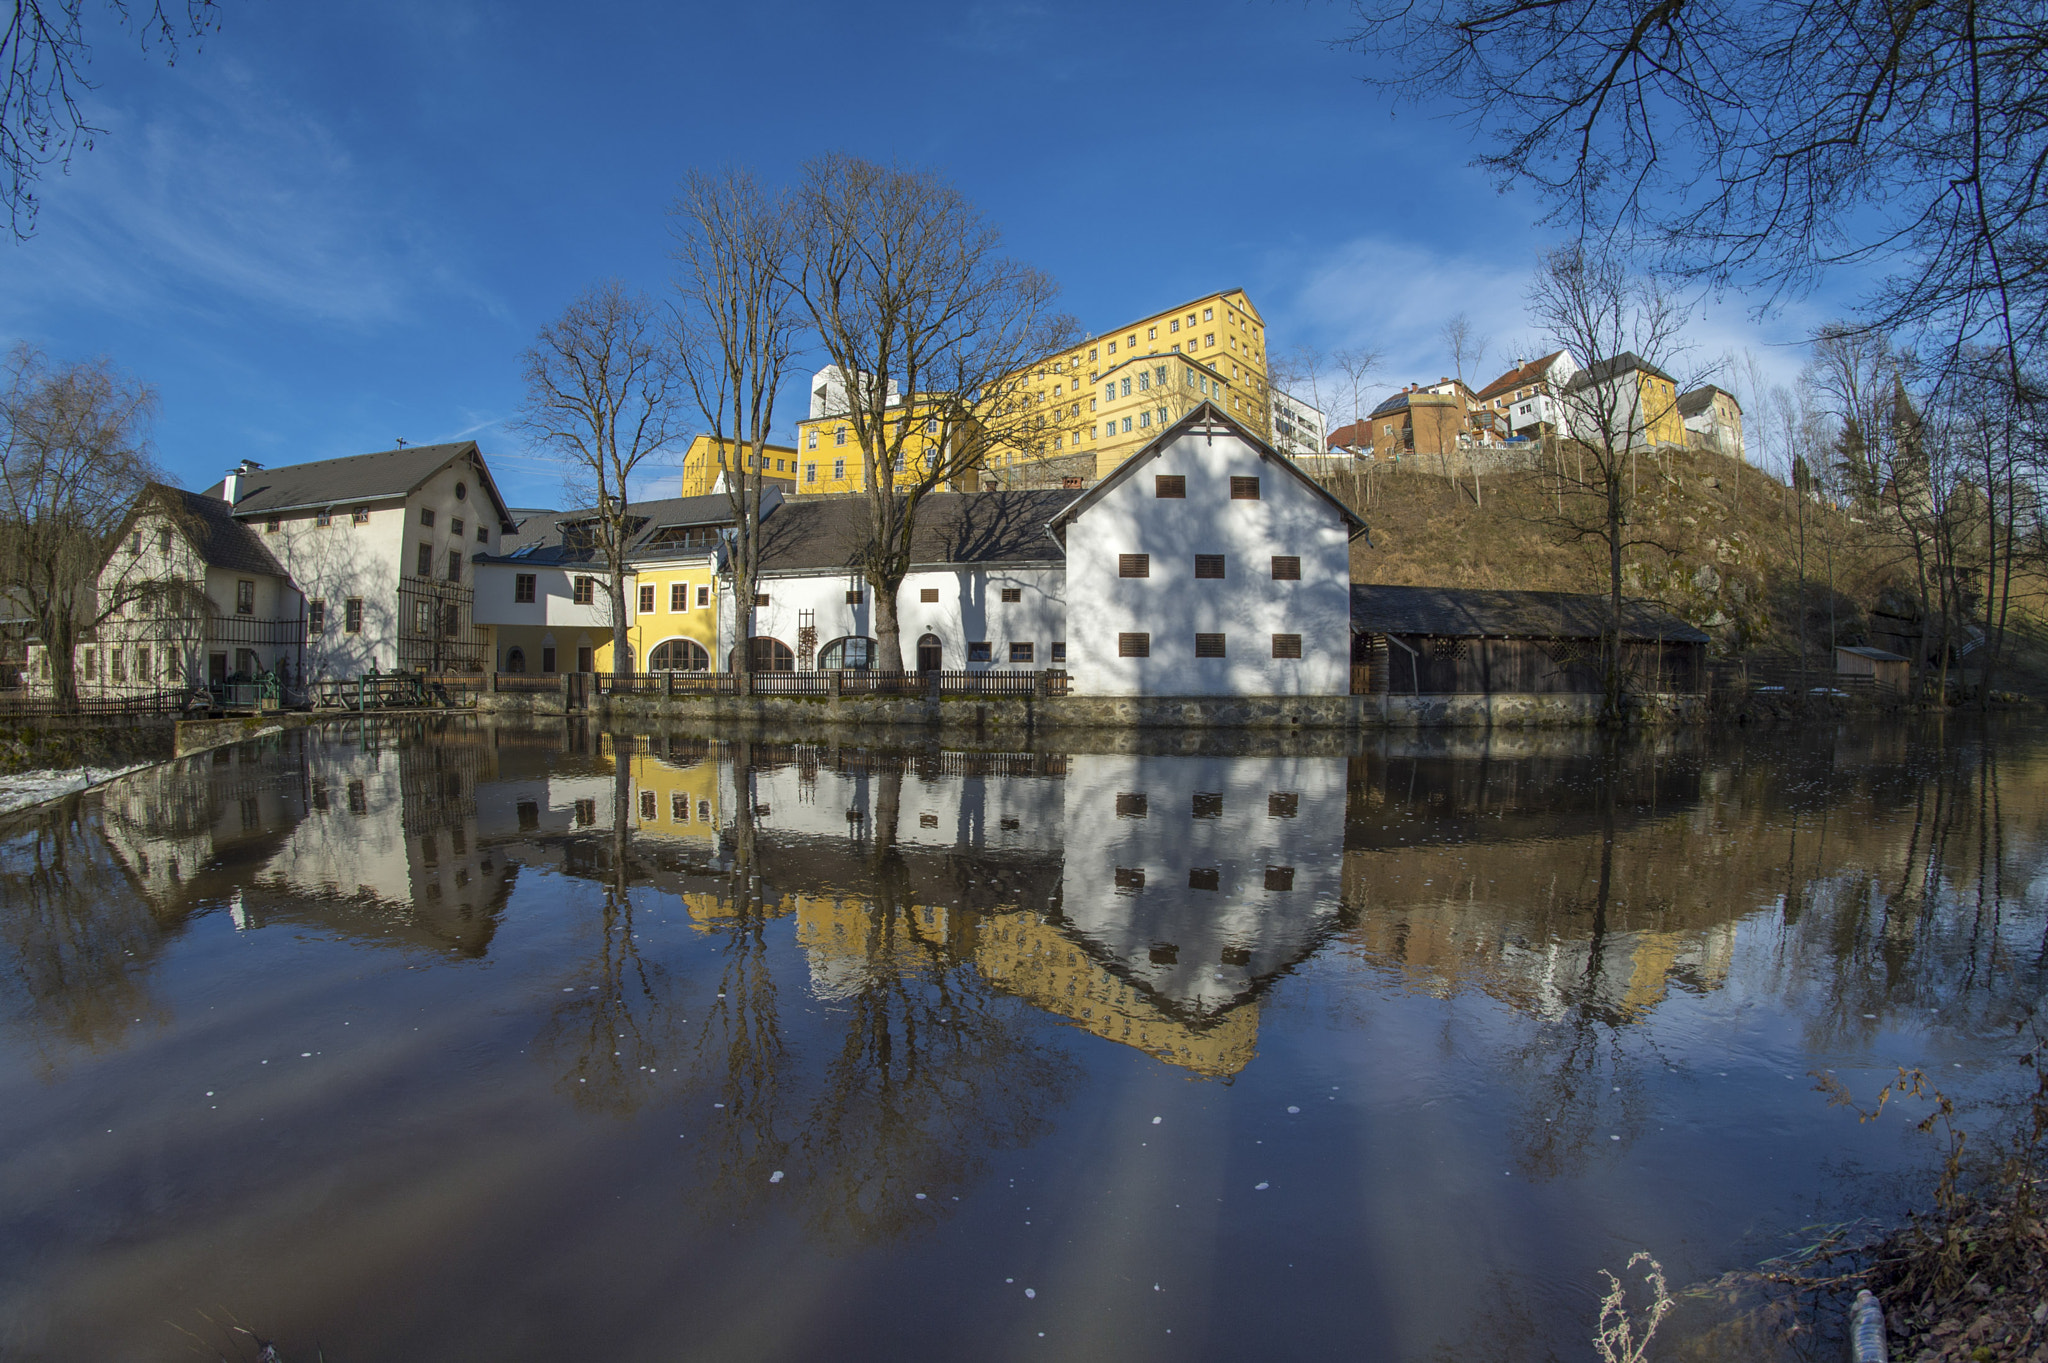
678 655
930 654
515 660
767 655
853 653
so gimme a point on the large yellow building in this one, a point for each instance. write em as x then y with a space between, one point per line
829 458
1102 400
707 458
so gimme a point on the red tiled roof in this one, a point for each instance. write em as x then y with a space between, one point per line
1516 378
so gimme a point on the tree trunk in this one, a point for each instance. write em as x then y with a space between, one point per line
1611 704
888 629
622 648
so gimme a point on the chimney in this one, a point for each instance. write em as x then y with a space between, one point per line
231 484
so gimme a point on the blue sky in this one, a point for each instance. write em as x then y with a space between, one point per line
340 224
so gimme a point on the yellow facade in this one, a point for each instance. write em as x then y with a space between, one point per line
1105 398
1219 342
1659 405
682 801
707 458
674 601
829 458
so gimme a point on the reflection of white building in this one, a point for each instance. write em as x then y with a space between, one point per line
1199 877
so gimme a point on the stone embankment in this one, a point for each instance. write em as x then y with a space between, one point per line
1028 714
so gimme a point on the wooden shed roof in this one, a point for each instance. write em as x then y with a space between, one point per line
1460 612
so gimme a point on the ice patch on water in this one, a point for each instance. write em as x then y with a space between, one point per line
23 789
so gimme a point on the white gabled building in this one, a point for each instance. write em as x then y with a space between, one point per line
379 545
1208 564
986 587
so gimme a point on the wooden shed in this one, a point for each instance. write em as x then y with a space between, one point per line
1887 671
1447 640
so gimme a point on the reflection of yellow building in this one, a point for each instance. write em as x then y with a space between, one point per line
707 458
671 801
849 944
1021 954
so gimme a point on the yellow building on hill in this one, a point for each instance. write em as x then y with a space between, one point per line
1100 401
829 458
707 458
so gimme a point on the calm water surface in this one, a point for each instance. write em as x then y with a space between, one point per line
477 1042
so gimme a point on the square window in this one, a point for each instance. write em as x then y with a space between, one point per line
678 596
586 590
854 597
1130 877
1244 489
1013 593
1021 653
1170 485
426 515
1287 645
1209 646
1112 347
1204 878
1208 804
483 535
1208 314
1130 806
928 594
1281 805
1134 565
1173 326
1286 567
1134 645
323 517
272 526
760 599
1209 565
647 600
978 652
522 588
1279 877
1059 651
455 527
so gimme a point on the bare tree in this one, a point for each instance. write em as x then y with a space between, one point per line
43 60
1465 346
909 292
74 457
736 331
1767 140
602 393
1591 305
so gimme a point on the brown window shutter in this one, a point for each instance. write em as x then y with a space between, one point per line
928 594
1170 485
853 598
1209 565
1244 489
1286 568
1133 645
1013 593
1134 565
1209 646
1287 645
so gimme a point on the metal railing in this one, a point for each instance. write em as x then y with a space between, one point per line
24 705
848 682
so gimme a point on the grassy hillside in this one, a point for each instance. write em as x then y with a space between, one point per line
1727 553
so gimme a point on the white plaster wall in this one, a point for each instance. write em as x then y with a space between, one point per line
1247 606
970 608
966 811
1202 949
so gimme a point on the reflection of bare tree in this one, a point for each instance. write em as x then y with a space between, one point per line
75 942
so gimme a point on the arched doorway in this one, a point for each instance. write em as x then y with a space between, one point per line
930 655
515 660
679 655
765 655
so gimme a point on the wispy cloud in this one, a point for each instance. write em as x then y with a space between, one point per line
224 198
1394 296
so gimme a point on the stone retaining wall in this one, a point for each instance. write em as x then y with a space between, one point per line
1022 715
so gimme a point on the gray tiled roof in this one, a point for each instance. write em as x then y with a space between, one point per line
221 540
828 533
1600 371
1701 398
339 482
1472 613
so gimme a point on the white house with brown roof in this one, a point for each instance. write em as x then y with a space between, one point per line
1208 564
187 595
379 544
1526 396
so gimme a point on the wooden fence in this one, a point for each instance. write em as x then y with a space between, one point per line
821 684
23 705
